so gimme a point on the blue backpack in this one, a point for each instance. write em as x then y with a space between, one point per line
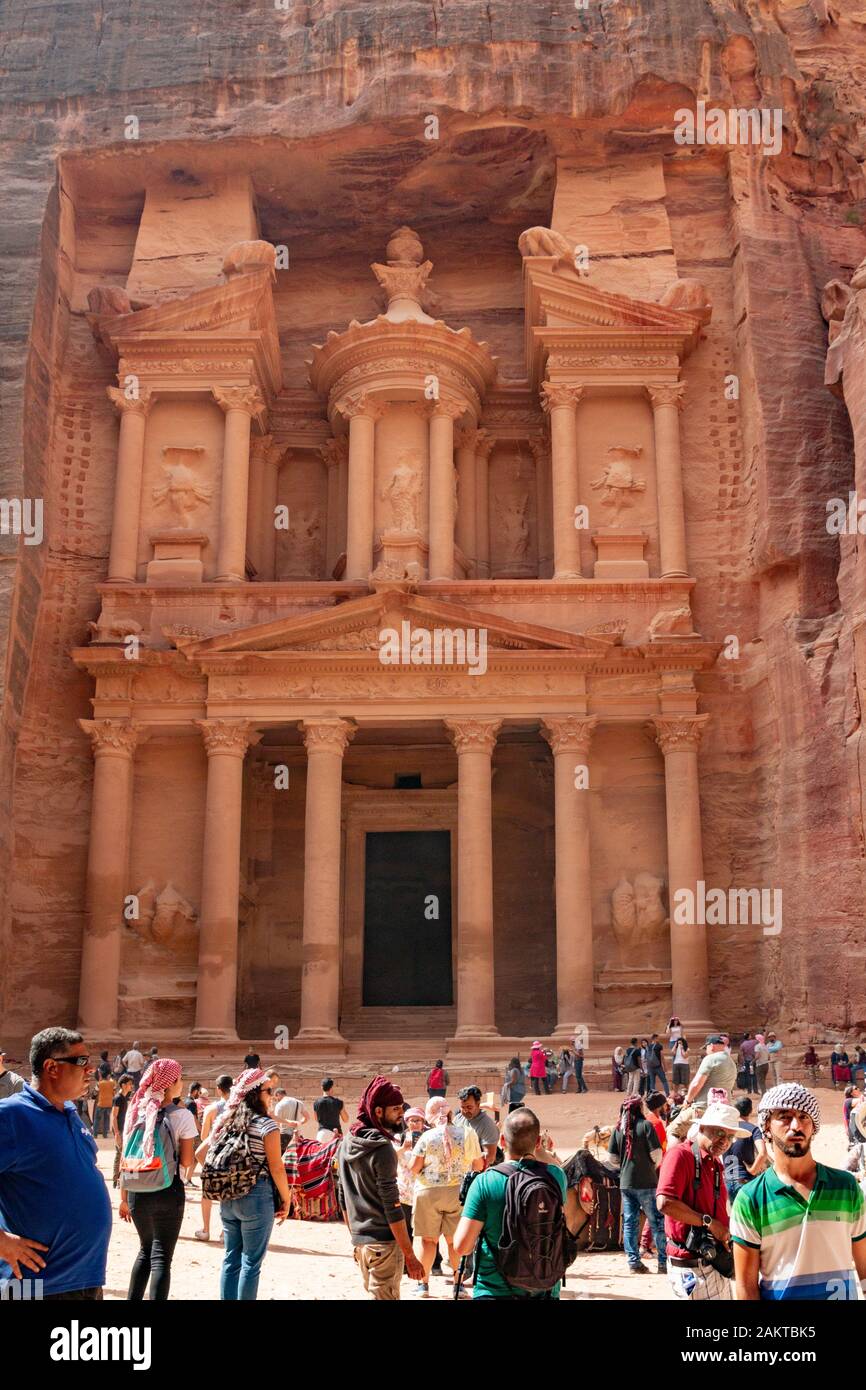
140 1174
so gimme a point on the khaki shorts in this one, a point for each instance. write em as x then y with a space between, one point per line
381 1267
436 1212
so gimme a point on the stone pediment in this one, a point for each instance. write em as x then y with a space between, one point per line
355 626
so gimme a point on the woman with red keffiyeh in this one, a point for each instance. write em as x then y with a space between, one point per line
157 1216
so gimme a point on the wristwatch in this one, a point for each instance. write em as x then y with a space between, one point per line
706 1219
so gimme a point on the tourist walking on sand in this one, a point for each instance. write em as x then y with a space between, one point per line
290 1113
717 1068
10 1082
799 1230
119 1106
632 1068
368 1177
133 1062
635 1149
437 1080
691 1194
212 1111
481 1121
441 1158
762 1063
330 1112
415 1124
656 1066
616 1068
538 1069
746 1059
245 1129
158 1141
514 1085
774 1047
55 1212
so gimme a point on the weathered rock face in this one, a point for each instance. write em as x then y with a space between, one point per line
471 121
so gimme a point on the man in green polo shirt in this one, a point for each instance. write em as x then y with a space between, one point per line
798 1230
484 1209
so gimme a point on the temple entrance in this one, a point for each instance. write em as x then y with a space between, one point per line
407 919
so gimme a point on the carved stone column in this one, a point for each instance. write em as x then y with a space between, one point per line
326 741
259 447
123 554
442 482
333 453
678 738
543 507
667 401
363 414
268 532
466 521
560 403
569 738
240 404
114 743
475 740
226 742
484 443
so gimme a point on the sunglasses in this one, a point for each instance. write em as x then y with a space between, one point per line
716 1134
72 1061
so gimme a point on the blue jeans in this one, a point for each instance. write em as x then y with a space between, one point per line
578 1073
634 1201
102 1121
247 1225
651 1080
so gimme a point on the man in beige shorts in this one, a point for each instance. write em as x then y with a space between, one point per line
443 1156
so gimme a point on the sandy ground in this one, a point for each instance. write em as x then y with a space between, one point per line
310 1261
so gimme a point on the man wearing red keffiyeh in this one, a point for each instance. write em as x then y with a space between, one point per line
368 1174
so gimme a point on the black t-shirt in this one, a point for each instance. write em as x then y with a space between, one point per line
251 1060
328 1110
120 1104
639 1170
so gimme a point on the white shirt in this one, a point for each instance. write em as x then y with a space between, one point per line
181 1124
291 1113
133 1061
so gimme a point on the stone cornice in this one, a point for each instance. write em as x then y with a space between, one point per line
196 361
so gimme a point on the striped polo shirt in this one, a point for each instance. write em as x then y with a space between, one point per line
805 1245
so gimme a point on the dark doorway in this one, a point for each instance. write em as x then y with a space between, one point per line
407 918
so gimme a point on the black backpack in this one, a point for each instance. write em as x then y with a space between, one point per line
535 1247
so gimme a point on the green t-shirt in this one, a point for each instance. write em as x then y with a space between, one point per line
716 1069
485 1202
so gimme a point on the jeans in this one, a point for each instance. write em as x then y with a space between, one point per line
565 1076
634 1201
157 1217
102 1121
535 1086
247 1225
578 1072
633 1082
657 1073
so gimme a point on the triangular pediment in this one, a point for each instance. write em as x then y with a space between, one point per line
355 627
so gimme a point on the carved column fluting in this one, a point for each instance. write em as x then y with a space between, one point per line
114 743
123 552
259 447
240 404
544 507
560 402
667 402
464 441
268 530
475 740
363 414
326 741
226 742
442 417
484 443
679 738
332 455
569 738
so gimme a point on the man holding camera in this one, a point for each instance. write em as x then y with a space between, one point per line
692 1197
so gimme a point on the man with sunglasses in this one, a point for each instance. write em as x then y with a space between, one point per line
55 1213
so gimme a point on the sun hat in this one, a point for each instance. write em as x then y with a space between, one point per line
718 1116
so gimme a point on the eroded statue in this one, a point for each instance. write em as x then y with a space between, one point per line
164 918
617 480
638 917
672 622
403 490
181 488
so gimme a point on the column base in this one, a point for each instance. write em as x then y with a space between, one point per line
567 574
319 1040
215 1035
675 574
229 579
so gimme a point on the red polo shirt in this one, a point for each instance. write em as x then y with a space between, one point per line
677 1179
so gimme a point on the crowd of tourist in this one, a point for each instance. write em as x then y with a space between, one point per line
729 1207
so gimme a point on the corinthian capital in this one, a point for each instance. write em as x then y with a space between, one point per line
361 403
667 393
260 446
334 451
117 737
228 736
556 394
680 732
332 735
449 410
485 443
246 398
570 733
473 735
139 404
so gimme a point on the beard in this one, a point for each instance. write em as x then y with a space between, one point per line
794 1148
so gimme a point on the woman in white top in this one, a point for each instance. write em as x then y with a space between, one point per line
216 1107
157 1216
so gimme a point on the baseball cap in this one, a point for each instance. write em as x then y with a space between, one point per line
714 1038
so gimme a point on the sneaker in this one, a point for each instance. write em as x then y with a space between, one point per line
422 1290
639 1268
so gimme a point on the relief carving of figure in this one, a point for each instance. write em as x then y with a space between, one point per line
672 622
638 917
305 532
165 918
617 479
182 489
403 491
515 528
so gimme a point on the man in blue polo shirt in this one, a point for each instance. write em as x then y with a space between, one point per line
55 1213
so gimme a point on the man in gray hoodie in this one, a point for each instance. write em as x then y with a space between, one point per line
368 1175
